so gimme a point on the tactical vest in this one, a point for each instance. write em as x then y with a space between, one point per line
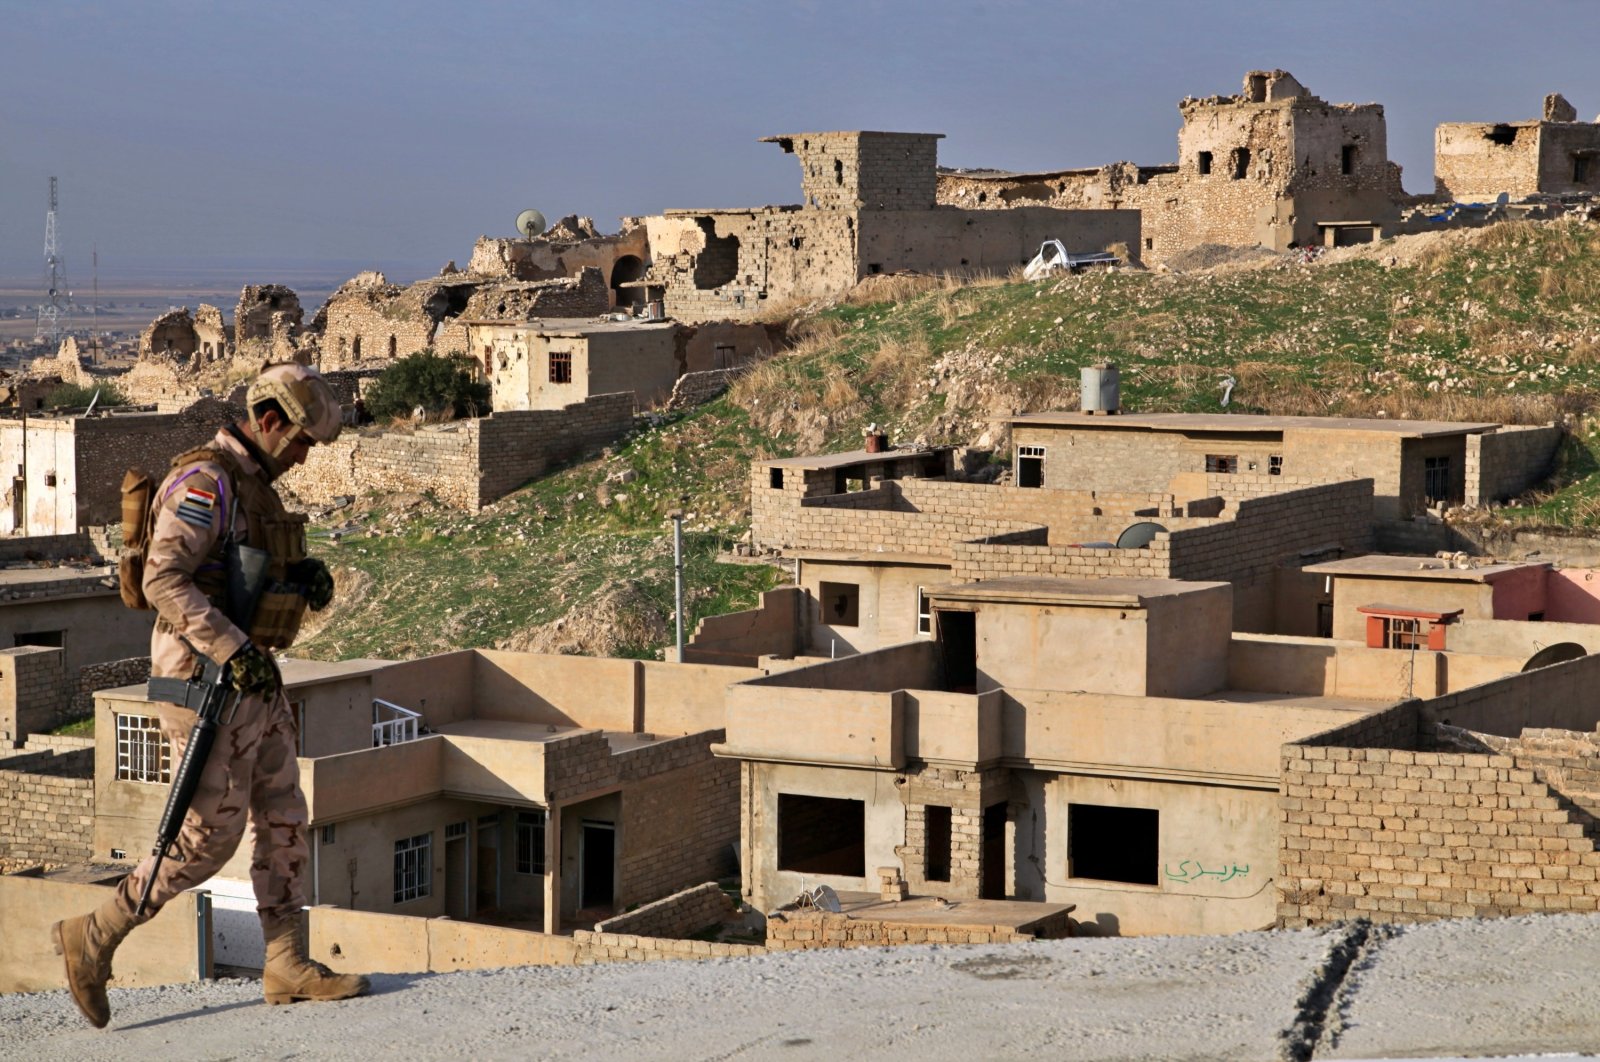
268 526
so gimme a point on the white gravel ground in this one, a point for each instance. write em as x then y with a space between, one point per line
1463 988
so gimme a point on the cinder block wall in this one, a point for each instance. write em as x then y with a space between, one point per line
47 804
31 695
1504 463
684 912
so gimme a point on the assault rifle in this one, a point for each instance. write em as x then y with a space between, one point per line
213 699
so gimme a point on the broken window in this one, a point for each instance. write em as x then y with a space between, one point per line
1504 135
822 835
1030 466
1241 163
718 263
1203 163
1274 464
838 172
530 842
1436 478
143 755
1347 159
936 847
924 612
413 868
561 366
775 478
840 604
1258 88
1113 844
1226 464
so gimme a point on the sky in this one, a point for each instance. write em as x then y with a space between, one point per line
357 133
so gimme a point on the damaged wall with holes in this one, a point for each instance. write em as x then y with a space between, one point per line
370 321
1556 155
1270 166
270 315
870 207
571 245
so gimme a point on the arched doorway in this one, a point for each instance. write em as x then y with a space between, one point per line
628 267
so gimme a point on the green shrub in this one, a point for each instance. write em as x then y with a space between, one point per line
435 383
78 396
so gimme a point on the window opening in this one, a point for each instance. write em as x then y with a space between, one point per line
1241 163
328 834
1324 619
822 835
413 868
1226 464
1030 466
45 639
1113 844
143 754
394 345
355 347
1580 169
992 886
958 649
1347 159
1436 478
840 604
937 845
1402 633
1274 464
561 366
1203 163
775 478
530 842
924 612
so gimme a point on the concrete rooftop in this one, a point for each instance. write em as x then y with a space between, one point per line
1393 567
1110 592
1250 422
852 457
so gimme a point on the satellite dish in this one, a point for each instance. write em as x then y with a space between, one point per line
530 223
1139 535
1558 653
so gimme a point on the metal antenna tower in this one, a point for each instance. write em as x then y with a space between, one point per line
56 311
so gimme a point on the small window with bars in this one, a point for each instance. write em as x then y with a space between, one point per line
1274 464
561 366
143 754
1436 478
530 842
413 868
1402 633
1226 464
455 830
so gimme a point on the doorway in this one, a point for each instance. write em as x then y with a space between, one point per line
993 885
958 649
487 893
597 860
457 877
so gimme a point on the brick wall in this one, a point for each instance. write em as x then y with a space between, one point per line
594 947
695 388
1504 463
681 816
468 463
966 794
679 915
47 805
805 930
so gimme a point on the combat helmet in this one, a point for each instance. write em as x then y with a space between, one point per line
305 398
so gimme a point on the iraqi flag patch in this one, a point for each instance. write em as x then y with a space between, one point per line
197 507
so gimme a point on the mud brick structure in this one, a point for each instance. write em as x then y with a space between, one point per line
869 208
1556 155
369 321
1274 166
466 463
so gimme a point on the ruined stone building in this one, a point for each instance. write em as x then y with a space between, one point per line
869 207
187 339
1273 165
1555 155
569 246
369 321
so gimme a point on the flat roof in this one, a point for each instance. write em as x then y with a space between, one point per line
817 462
1111 592
936 559
841 132
1384 566
1247 422
539 733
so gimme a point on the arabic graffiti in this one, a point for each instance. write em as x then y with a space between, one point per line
1189 871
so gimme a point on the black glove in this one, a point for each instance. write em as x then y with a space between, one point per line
250 671
315 581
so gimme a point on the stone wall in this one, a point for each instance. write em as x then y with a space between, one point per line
106 447
803 930
47 804
1504 463
679 915
595 947
468 463
695 388
104 676
966 794
267 312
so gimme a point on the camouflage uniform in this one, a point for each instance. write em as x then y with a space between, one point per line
222 490
251 772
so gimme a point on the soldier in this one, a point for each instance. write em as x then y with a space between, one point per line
225 489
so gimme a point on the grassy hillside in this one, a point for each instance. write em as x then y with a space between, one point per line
1496 324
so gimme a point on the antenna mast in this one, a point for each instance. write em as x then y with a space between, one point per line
55 311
